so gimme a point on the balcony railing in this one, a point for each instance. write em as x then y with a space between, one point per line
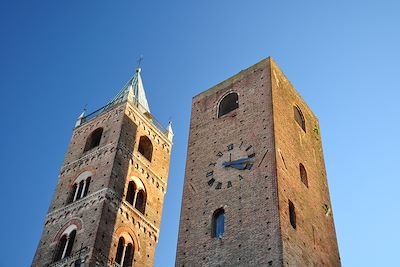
109 106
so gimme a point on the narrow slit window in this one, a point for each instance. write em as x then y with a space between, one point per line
219 223
299 118
292 214
303 175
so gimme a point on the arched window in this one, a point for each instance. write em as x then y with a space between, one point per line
228 103
299 118
218 223
136 195
130 194
65 245
140 200
292 214
303 174
80 188
124 256
145 147
93 139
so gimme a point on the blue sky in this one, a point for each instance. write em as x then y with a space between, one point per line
342 56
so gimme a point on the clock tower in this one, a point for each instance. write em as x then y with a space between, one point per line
255 190
107 206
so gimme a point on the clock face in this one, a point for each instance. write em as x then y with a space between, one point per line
230 165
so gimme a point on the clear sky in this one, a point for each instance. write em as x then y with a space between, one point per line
342 56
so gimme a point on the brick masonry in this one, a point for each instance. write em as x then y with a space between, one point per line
104 215
257 228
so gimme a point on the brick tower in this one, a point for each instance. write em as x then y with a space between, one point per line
255 191
107 206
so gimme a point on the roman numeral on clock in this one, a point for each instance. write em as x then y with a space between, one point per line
219 185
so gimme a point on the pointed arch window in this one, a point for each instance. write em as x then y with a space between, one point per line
299 118
229 103
218 223
93 139
303 174
124 256
136 196
145 147
65 245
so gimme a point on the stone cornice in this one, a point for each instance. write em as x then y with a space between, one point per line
101 195
88 157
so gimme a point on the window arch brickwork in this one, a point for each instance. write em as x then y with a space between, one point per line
94 139
80 188
125 251
299 117
229 103
136 195
65 243
145 147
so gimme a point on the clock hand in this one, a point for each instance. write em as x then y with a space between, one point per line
239 164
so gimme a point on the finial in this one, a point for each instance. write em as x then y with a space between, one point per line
169 131
81 117
139 62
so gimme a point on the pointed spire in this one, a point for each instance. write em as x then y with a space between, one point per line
169 132
134 92
139 93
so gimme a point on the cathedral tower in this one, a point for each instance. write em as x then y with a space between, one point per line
255 191
106 209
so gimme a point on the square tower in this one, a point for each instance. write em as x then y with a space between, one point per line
255 190
107 207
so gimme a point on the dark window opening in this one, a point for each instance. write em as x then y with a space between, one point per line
65 245
130 194
94 139
140 201
72 194
145 147
120 250
218 223
60 248
70 243
128 256
229 103
80 188
137 198
303 175
124 256
292 214
86 186
298 116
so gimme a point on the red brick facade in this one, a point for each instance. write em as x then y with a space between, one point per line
263 133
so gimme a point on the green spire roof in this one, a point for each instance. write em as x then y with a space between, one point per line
133 91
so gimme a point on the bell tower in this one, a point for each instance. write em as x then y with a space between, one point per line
107 207
255 190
